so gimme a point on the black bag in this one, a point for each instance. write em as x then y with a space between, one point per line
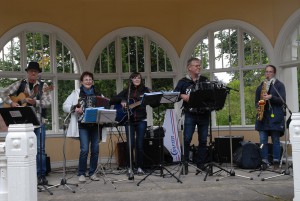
247 156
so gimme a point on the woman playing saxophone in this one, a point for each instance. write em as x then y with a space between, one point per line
270 100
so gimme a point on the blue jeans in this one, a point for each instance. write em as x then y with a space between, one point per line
190 123
87 136
275 136
41 154
137 131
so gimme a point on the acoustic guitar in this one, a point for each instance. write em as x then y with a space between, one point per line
21 98
122 115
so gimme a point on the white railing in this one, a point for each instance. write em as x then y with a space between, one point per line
18 164
294 130
3 173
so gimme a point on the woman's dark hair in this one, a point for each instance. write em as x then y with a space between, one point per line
136 74
86 73
274 68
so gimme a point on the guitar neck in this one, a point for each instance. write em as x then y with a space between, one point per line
135 104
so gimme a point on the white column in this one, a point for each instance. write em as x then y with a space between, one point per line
21 152
294 130
3 173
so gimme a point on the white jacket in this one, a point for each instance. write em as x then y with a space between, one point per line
73 130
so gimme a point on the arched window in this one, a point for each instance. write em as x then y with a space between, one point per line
287 49
58 56
129 50
233 56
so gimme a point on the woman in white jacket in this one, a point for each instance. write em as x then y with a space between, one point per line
88 133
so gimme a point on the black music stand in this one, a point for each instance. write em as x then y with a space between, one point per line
154 100
209 100
105 116
19 115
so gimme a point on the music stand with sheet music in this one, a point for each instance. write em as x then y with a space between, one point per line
154 99
19 115
206 100
102 116
210 100
106 116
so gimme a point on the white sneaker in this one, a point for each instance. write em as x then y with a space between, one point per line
140 171
81 178
94 177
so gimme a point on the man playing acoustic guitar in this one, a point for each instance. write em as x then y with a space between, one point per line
32 92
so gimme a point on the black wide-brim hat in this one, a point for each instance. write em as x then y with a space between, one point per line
33 66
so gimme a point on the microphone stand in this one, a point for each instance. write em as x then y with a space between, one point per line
43 184
130 171
231 172
63 181
286 170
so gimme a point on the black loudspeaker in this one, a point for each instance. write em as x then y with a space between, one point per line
152 152
222 147
121 146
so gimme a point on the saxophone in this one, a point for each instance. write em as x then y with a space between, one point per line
262 102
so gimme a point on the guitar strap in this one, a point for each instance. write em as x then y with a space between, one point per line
21 89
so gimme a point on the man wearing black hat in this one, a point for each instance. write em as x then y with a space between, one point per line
37 95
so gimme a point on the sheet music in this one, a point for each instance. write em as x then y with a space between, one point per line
169 97
106 116
90 115
153 93
99 115
153 99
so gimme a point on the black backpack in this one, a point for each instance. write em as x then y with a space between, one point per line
247 156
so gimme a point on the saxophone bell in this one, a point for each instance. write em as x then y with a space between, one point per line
262 102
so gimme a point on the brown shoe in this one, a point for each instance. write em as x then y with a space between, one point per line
276 167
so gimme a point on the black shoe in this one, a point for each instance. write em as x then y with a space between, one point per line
264 166
42 180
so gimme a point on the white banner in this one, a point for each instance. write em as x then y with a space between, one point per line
171 139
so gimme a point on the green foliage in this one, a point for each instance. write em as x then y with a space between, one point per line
165 84
133 54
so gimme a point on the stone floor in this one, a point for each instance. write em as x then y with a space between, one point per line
228 183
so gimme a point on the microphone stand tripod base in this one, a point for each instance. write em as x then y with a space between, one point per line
231 173
130 176
103 175
63 182
44 187
161 168
282 173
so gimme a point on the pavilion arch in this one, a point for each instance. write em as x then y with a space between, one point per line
116 75
56 73
47 28
240 65
286 48
133 31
